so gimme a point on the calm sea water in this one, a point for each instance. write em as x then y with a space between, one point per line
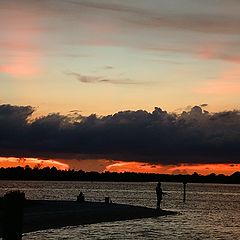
211 211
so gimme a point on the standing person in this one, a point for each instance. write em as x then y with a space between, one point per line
159 193
80 197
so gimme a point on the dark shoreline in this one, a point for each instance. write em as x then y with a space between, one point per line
53 174
48 214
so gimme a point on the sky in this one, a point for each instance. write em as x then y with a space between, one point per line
72 59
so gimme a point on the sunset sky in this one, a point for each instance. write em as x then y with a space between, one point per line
75 58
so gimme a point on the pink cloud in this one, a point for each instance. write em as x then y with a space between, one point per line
227 82
21 66
19 42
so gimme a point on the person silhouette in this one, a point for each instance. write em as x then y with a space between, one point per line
159 193
80 197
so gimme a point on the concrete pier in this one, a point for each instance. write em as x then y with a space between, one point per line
44 214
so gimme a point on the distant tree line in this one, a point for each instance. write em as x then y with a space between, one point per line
53 174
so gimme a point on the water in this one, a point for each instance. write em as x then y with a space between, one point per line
211 211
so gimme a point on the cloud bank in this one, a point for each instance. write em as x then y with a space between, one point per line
155 137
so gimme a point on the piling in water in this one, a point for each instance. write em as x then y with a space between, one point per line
107 200
184 191
13 203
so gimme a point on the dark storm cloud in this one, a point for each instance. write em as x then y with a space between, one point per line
155 137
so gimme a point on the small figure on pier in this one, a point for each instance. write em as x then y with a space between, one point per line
108 200
80 197
159 193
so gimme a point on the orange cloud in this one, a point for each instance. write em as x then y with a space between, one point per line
206 169
32 162
120 166
203 169
134 167
89 165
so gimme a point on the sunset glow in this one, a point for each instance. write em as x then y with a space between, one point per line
227 82
119 166
143 86
124 44
19 43
203 169
31 162
22 66
132 106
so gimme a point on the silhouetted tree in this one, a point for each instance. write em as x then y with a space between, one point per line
46 173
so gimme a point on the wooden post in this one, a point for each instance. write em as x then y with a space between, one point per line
184 191
108 200
13 215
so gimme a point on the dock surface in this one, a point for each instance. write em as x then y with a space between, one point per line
47 214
